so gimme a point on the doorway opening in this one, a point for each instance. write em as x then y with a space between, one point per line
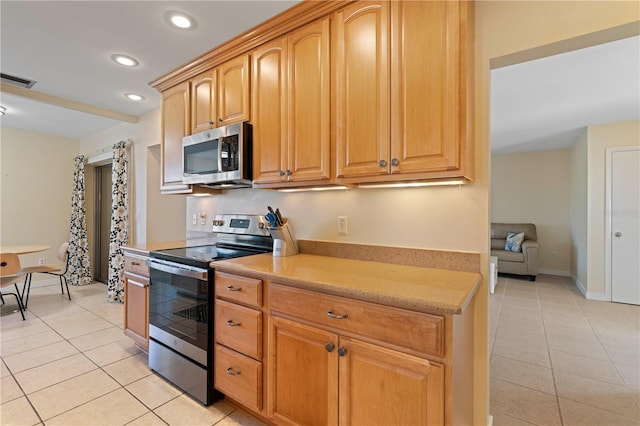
103 176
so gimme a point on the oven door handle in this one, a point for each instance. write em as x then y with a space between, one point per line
200 274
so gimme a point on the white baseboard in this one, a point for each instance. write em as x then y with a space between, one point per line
591 295
556 272
490 420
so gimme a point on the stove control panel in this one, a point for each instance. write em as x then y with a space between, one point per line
240 224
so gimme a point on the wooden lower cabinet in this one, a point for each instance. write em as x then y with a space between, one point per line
304 374
379 386
136 301
321 378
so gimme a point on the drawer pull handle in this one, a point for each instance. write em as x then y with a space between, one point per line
330 314
135 264
233 373
230 323
232 288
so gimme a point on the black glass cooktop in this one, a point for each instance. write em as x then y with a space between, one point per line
200 255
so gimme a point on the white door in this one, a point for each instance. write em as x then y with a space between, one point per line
625 226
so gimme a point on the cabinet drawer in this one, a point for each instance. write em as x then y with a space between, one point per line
247 291
239 377
420 332
136 264
239 328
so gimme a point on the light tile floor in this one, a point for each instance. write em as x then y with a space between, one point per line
556 358
560 359
69 363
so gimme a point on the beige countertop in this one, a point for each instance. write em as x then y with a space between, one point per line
410 287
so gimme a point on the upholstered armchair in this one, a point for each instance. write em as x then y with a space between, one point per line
520 256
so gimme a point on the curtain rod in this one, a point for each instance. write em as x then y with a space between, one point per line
104 150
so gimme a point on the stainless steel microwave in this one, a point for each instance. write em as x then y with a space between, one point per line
219 158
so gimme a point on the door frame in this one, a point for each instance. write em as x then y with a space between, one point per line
609 213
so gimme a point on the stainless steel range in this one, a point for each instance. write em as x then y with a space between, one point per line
181 302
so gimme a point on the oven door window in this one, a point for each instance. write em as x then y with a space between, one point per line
201 158
180 306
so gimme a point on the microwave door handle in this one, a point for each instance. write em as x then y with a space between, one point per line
220 145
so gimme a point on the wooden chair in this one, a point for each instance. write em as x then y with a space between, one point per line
10 274
63 256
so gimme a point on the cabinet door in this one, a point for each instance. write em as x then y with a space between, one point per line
203 101
309 103
361 75
303 374
175 126
136 308
233 90
269 112
379 386
425 86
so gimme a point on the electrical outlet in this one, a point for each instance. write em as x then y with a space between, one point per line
41 261
203 218
553 253
194 220
342 225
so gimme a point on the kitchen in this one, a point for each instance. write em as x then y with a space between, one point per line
442 218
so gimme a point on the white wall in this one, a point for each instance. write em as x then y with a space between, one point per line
578 212
534 187
599 139
36 175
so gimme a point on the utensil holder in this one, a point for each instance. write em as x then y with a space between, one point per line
284 244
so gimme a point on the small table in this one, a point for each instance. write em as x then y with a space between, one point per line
25 249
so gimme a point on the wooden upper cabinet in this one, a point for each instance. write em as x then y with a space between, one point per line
309 102
291 109
203 101
402 91
428 87
361 84
220 96
175 126
233 91
269 111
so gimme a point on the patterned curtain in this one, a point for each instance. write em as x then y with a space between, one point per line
119 221
79 272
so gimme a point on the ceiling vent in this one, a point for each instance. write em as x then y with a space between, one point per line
17 81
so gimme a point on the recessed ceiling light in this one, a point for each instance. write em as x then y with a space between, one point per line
134 97
125 60
180 20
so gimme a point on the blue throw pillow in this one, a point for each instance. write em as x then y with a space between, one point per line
514 241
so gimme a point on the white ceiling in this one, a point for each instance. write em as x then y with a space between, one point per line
547 103
66 47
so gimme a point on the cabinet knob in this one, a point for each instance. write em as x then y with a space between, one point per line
618 234
211 122
289 172
231 323
342 351
219 120
329 347
382 163
330 314
232 372
394 162
281 173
